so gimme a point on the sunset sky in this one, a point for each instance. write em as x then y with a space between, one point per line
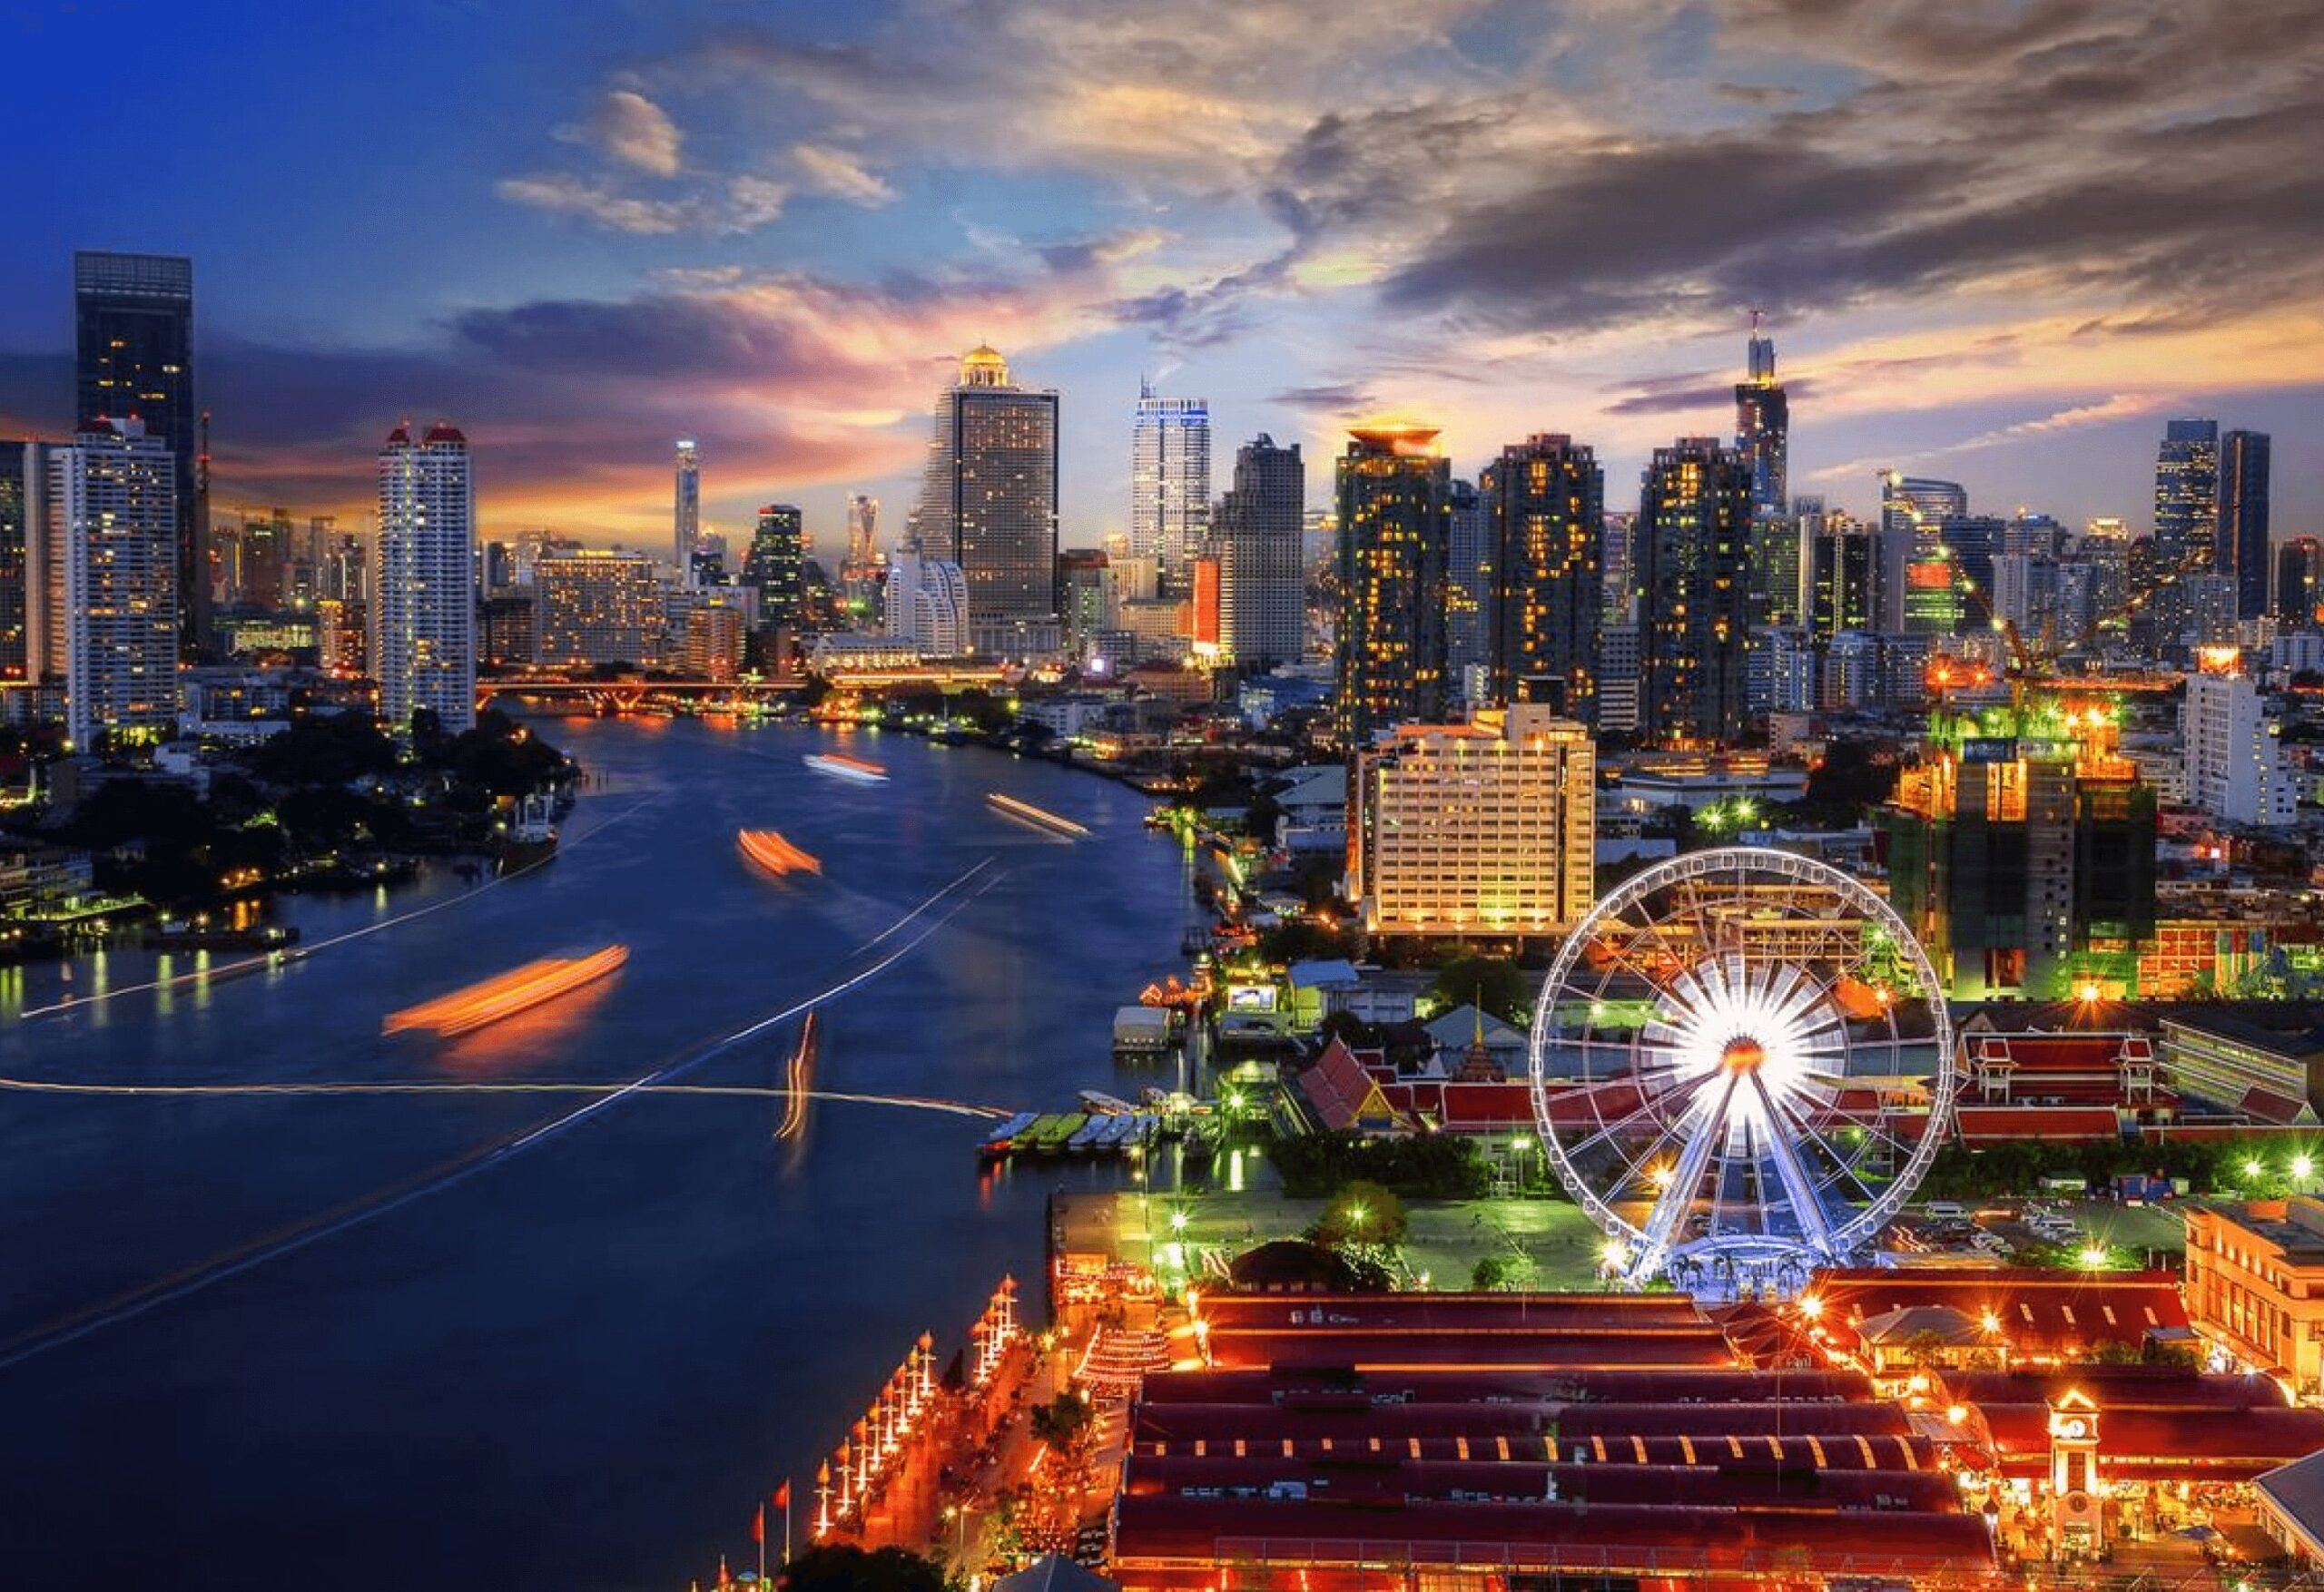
1996 241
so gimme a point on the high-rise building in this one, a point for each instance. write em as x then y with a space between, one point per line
776 565
1693 561
23 533
929 605
508 628
2025 865
1082 592
2231 750
2186 495
1972 542
1480 828
1263 590
599 607
1169 483
423 606
2241 549
862 572
1841 578
713 647
2300 582
1545 500
987 500
687 511
1468 594
1763 427
132 319
112 519
1395 514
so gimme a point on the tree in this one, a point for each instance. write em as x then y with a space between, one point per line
1361 1213
1494 983
844 1567
1493 1272
1058 1424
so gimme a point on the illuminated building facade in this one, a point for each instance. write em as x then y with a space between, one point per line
133 356
342 636
686 512
114 519
1481 828
2243 550
2186 496
1396 517
1694 576
423 589
1545 497
2014 857
1169 483
2255 1283
1262 577
713 647
987 500
509 629
599 607
777 564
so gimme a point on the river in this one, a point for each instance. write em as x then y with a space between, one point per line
257 1341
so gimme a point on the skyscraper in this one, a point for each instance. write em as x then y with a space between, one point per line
863 529
1913 511
24 499
1395 535
1169 483
2186 496
132 318
1763 427
988 501
1545 498
600 606
1262 586
113 520
1693 562
2300 582
2241 549
776 565
687 515
1468 595
423 592
927 605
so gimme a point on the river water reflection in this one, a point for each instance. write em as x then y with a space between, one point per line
570 1365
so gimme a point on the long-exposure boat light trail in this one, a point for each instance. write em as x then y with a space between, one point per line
954 896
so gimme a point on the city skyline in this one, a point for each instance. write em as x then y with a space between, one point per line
636 247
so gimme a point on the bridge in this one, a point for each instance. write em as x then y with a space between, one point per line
627 695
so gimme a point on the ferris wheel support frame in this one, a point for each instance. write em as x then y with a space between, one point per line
1642 1249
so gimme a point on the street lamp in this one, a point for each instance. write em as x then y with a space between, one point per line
1177 1221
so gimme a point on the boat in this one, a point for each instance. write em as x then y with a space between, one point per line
776 855
839 765
1102 1103
1119 1131
531 837
505 995
1051 1132
1002 1139
1086 1136
1039 818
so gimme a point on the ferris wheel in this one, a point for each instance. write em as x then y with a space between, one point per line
1742 1066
